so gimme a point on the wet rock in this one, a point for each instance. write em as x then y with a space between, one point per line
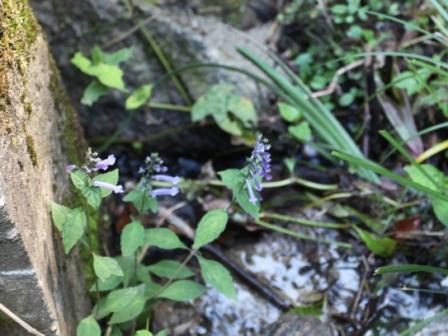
185 38
295 325
38 130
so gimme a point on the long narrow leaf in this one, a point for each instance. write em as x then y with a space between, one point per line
389 174
422 324
322 120
410 268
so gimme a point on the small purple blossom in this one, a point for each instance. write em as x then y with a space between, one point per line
259 168
117 189
153 171
167 178
173 191
106 163
70 168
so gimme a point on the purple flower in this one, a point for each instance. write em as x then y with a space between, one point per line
166 178
173 191
117 189
252 198
104 164
70 168
259 168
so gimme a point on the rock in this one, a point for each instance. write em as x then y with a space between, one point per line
185 38
296 325
38 130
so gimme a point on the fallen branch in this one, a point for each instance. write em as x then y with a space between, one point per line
19 321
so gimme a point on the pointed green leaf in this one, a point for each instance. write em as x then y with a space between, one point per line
59 214
120 299
132 237
141 200
217 276
131 311
182 290
88 327
73 228
139 97
289 112
381 246
163 238
170 269
210 227
105 267
143 333
301 132
94 91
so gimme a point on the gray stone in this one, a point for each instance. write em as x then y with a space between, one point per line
38 129
185 38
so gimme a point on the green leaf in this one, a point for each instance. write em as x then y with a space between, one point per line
419 177
120 299
243 109
410 268
73 228
143 333
381 246
141 200
108 284
116 332
182 290
301 132
162 333
79 179
139 97
108 74
131 311
163 238
88 327
110 177
115 58
128 265
436 181
59 214
217 276
81 62
105 267
231 112
132 237
93 196
234 180
210 227
412 82
289 112
94 91
170 269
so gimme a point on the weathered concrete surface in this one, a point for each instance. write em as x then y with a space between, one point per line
38 131
185 38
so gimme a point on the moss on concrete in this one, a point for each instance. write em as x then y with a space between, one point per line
18 30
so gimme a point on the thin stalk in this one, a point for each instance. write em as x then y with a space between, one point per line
300 235
302 221
171 107
165 63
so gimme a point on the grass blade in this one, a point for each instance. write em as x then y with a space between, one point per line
405 182
410 268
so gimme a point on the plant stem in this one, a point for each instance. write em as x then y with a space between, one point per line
300 235
301 221
171 107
